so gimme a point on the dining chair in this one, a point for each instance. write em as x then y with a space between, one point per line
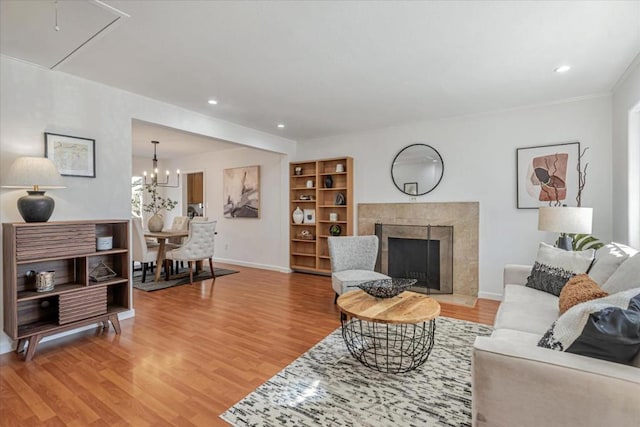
180 223
199 246
353 259
141 252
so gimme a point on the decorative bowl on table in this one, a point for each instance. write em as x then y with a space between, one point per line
387 288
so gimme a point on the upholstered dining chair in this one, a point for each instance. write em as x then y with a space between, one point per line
141 252
180 223
353 259
199 246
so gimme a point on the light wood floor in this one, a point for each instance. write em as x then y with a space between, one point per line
190 353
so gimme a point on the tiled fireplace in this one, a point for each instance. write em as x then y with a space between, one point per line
459 219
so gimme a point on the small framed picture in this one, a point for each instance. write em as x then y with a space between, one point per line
309 216
411 188
72 155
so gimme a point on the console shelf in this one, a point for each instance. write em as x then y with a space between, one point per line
69 250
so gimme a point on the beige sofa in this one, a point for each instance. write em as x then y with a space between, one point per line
517 383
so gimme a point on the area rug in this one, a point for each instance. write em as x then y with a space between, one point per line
327 387
149 285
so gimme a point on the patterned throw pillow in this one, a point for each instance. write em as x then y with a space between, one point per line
579 288
554 267
606 328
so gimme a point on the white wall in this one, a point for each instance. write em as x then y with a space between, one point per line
36 100
261 242
479 154
626 157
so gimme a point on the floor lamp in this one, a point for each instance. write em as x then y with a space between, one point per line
565 220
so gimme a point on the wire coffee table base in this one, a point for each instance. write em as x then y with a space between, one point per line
389 348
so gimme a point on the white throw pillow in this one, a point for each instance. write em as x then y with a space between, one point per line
627 276
608 259
554 267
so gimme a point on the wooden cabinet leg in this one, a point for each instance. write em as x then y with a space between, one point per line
20 345
33 344
115 322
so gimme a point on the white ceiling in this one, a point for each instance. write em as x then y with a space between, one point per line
326 68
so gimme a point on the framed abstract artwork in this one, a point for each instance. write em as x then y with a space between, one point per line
72 155
547 175
241 192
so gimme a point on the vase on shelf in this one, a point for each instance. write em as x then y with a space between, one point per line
298 215
156 223
328 181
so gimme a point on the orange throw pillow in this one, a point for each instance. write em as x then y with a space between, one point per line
579 288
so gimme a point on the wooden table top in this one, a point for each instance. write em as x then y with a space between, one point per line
166 234
408 307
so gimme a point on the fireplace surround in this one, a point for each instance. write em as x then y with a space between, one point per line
462 216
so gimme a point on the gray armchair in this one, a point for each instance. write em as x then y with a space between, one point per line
353 259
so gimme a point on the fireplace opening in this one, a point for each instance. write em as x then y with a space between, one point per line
415 259
424 253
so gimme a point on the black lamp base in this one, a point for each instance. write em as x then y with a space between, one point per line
36 207
565 242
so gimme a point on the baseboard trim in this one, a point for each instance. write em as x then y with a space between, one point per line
490 295
7 345
253 265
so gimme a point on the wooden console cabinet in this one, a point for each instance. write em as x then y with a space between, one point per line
312 255
69 250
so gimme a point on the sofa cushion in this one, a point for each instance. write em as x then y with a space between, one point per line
528 296
607 260
348 280
534 318
554 267
579 288
627 276
528 339
607 328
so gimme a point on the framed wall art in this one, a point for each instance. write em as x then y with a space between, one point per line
72 155
309 216
547 175
241 192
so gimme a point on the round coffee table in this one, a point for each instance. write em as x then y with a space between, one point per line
390 335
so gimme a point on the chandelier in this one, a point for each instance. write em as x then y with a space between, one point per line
154 173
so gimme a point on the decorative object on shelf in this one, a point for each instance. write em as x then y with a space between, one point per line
565 220
411 188
306 197
297 170
328 181
298 215
339 167
420 164
305 235
104 243
335 230
102 272
333 216
154 172
45 281
309 184
72 155
544 177
241 192
340 199
386 288
36 173
309 216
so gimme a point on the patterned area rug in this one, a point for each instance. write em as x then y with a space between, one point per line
149 285
327 387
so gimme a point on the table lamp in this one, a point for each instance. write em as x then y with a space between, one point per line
37 173
565 220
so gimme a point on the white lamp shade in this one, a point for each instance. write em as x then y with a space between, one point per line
28 172
565 219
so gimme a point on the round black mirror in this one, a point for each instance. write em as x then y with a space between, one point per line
417 169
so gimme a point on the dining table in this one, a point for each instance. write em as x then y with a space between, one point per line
162 237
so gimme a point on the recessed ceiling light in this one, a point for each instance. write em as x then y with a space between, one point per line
562 69
212 102
281 125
